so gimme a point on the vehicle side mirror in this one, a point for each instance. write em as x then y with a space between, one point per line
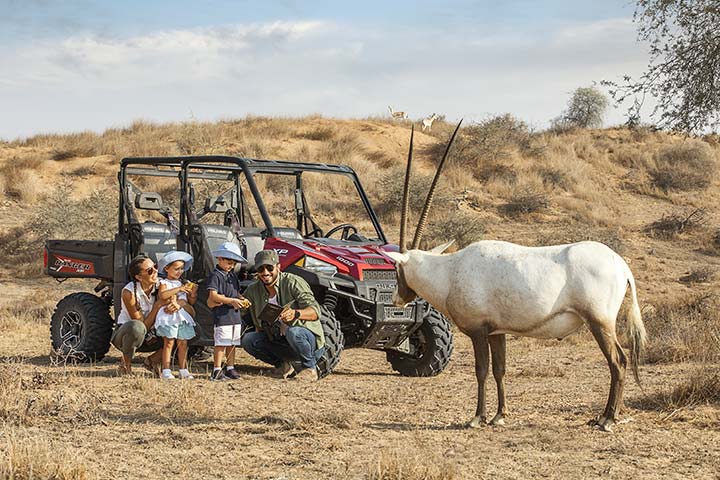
149 201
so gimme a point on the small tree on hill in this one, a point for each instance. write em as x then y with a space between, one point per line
585 109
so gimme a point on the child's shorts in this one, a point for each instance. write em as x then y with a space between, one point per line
183 331
227 335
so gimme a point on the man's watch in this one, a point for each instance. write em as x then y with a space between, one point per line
297 315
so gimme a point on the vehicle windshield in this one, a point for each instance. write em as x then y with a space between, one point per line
328 199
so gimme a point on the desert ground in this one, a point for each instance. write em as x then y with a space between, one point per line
364 421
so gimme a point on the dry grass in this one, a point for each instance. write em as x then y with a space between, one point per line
24 456
684 329
398 465
572 233
699 275
463 227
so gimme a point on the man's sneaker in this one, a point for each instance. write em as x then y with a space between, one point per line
218 376
167 375
307 375
232 374
285 370
185 375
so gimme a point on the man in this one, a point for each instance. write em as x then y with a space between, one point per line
299 336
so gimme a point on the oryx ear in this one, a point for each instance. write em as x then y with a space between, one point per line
398 257
441 248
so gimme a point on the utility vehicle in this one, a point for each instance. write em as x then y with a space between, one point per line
316 216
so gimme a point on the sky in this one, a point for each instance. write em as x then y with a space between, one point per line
74 65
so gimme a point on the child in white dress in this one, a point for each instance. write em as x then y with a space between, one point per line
176 326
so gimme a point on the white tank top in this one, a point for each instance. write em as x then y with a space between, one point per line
143 301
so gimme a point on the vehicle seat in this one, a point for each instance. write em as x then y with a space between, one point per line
157 240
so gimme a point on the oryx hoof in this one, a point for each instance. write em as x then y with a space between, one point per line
603 424
477 422
498 420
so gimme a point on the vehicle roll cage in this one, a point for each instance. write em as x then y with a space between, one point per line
222 167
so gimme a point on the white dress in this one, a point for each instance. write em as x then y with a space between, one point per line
176 318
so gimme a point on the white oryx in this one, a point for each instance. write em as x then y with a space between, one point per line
491 288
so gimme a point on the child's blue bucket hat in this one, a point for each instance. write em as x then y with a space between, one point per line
174 256
229 250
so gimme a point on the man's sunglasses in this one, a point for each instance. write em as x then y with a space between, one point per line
269 268
152 269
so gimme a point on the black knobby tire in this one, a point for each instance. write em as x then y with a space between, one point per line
81 327
334 342
433 344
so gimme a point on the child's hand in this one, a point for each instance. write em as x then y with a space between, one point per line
236 303
244 302
189 287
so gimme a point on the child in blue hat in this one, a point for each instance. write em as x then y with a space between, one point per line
177 326
226 302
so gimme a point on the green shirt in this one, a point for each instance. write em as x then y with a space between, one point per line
289 288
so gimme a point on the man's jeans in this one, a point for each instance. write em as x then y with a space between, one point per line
298 344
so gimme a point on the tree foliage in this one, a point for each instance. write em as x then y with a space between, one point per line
683 72
585 109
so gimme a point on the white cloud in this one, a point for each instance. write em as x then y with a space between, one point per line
296 68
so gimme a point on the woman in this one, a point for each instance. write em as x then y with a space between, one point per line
137 314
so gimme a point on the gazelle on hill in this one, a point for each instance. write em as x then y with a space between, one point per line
428 121
395 114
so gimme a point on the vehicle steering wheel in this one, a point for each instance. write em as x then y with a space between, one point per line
345 227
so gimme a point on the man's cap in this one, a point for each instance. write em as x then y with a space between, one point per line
266 257
174 256
229 250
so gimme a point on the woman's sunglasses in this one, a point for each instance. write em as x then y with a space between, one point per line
269 268
152 269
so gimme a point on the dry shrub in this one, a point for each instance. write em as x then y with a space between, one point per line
580 233
339 151
24 457
463 227
91 218
684 166
195 138
698 275
496 172
74 145
553 177
22 184
633 157
390 189
489 140
318 133
525 201
405 466
669 226
702 387
684 329
381 159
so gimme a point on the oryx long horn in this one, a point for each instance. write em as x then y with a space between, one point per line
406 197
431 192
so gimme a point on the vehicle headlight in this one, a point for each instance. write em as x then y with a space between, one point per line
318 266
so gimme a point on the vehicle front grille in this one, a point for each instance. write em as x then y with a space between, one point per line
379 275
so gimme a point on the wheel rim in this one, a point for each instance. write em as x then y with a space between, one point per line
70 330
